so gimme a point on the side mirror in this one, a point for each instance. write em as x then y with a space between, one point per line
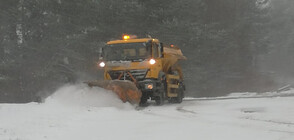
100 53
161 49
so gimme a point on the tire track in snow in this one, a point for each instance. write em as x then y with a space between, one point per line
181 109
270 121
210 120
281 131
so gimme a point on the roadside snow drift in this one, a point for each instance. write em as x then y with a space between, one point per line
77 112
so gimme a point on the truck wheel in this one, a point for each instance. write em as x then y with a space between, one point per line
159 100
143 101
180 97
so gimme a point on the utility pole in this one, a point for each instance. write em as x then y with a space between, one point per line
19 25
20 41
1 48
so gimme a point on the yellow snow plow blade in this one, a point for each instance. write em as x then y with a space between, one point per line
126 90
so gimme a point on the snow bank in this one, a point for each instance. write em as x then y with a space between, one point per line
286 92
76 112
80 95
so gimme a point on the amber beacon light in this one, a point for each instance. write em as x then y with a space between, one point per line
126 37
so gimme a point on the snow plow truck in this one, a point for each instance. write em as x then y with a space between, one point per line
139 69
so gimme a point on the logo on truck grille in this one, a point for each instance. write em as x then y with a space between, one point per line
131 75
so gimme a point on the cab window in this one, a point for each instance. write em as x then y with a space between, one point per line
142 52
130 52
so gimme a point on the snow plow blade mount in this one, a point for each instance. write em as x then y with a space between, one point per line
126 90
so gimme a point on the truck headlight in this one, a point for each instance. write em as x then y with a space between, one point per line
152 61
102 64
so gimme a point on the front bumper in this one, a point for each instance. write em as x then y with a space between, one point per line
148 85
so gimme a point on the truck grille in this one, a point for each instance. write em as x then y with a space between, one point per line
125 75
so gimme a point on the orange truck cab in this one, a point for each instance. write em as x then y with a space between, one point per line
152 67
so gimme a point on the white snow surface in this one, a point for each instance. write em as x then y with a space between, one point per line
76 112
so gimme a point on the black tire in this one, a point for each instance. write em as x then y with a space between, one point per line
159 99
180 97
143 101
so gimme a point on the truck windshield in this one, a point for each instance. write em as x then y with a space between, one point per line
126 52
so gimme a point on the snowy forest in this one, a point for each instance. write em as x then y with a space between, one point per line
231 45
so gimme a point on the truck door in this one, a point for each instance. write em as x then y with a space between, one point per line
156 54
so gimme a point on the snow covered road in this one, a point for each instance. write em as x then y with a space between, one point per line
79 113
